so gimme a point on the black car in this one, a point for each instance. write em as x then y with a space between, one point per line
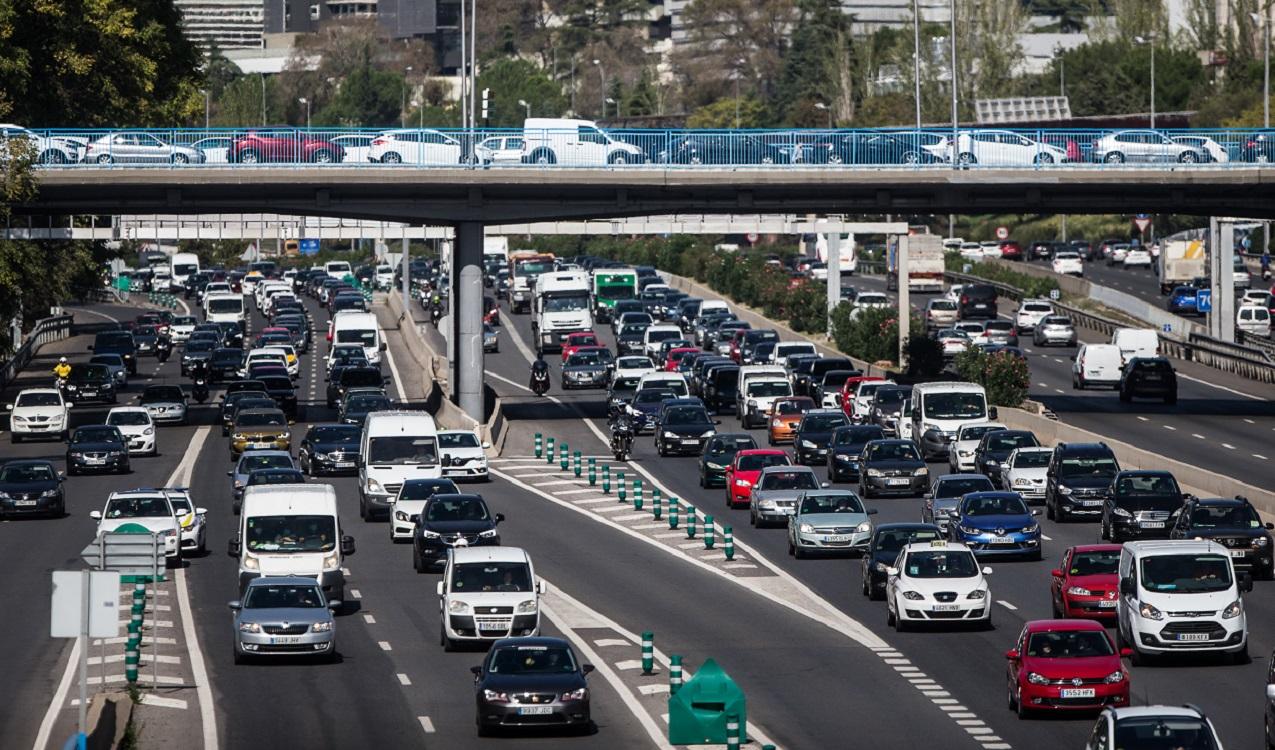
720 149
892 467
146 338
645 405
117 342
807 380
345 378
887 404
232 402
1232 523
89 382
718 453
231 332
280 388
274 476
994 447
586 369
883 550
297 326
357 405
865 147
30 488
683 426
1258 147
621 393
539 670
977 301
631 339
1149 377
1139 506
721 386
844 449
1078 480
97 447
329 449
814 434
748 345
196 350
226 362
447 518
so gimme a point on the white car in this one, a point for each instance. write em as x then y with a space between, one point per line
501 149
975 329
633 366
1068 263
1030 313
138 428
181 327
971 251
384 278
38 412
954 292
1118 253
1137 256
1024 472
1005 148
1170 726
1255 297
462 455
150 509
214 148
191 521
357 146
991 249
960 451
1254 320
415 146
410 500
953 341
266 355
937 581
1211 149
47 149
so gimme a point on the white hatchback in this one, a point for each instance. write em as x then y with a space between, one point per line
135 423
937 582
1068 263
415 146
1137 257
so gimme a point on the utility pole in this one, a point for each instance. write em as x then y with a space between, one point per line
956 146
916 57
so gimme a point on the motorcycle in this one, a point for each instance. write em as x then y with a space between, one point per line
163 350
435 314
621 440
540 383
200 390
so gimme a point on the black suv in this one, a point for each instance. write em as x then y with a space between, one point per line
117 342
978 301
445 520
1232 523
814 435
90 383
352 377
807 380
1078 480
1139 506
1152 377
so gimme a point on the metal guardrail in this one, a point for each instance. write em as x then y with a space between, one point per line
579 143
1257 342
48 329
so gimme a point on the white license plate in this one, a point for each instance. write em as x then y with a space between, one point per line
94 461
1106 605
835 539
690 442
898 482
1193 636
1238 552
344 464
535 710
1091 503
944 608
1151 524
285 639
1002 540
1078 692
24 503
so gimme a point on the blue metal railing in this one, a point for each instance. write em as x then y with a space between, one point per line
585 145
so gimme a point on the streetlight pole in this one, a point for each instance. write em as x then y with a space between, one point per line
464 68
916 57
207 107
402 100
1265 20
306 102
263 99
602 72
956 144
524 103
738 64
1062 70
1149 39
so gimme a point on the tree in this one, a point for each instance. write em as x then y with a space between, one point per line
368 96
721 114
722 32
816 66
511 80
248 101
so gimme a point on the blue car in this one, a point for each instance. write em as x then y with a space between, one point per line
1182 301
996 523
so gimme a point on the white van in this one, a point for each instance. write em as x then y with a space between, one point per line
558 140
709 305
1096 365
1254 320
488 593
337 269
1136 342
939 410
355 327
395 446
224 308
292 530
657 334
182 267
786 349
1178 596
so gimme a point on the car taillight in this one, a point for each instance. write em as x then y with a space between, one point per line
1247 144
965 299
379 141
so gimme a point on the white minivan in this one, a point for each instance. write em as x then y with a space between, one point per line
337 269
558 140
939 410
225 307
1096 365
395 446
356 327
488 593
1136 342
292 530
1180 596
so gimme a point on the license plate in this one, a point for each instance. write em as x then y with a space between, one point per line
1193 636
690 442
94 461
1238 552
1078 692
898 482
1151 524
1001 540
535 710
285 639
1152 378
944 608
1106 605
24 503
1091 503
836 539
344 464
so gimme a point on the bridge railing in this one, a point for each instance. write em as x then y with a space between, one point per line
45 330
585 145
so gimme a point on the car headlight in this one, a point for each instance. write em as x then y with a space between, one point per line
1037 679
921 472
752 403
331 561
457 607
373 485
1032 529
1064 489
670 435
285 435
875 473
526 607
743 483
711 465
806 528
1079 591
766 504
912 596
238 436
249 627
777 423
1233 610
881 567
400 515
321 627
576 695
992 463
488 534
931 428
251 563
977 594
493 696
1150 612
708 434
1261 541
49 493
864 527
1114 677
427 534
71 387
17 418
970 530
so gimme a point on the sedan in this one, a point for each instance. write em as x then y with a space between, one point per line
463 455
684 428
94 448
846 448
1086 582
1024 471
410 500
448 520
892 467
283 616
584 369
1055 330
953 342
995 447
1065 665
117 366
829 521
531 681
358 404
1068 263
1182 301
31 487
866 147
774 497
996 523
491 339
883 549
720 149
1143 146
946 494
139 148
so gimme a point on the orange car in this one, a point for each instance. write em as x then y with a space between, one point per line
784 416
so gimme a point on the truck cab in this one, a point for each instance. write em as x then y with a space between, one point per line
561 307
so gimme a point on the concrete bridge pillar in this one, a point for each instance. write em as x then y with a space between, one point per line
467 318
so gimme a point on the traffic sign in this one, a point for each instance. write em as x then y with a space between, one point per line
1204 300
1054 294
1142 221
309 247
1002 233
752 238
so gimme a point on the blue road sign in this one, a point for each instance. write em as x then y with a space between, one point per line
1204 300
309 247
1142 216
1168 328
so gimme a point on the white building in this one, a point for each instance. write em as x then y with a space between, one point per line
226 24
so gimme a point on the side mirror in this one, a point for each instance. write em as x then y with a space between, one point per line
334 606
992 412
872 511
928 496
230 473
500 517
586 668
234 547
477 671
347 545
825 485
96 515
1269 525
89 347
438 588
1011 654
235 605
1270 692
987 570
1056 573
542 588
1126 587
447 460
718 421
8 407
201 511
382 346
1072 358
358 461
61 477
486 444
1035 512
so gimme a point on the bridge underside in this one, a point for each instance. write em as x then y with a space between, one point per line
450 196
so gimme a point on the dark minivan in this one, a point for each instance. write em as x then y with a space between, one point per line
1139 506
978 301
117 342
721 386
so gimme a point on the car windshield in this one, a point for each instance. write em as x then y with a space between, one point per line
283 597
859 435
658 335
95 435
261 419
491 576
962 487
402 449
789 480
1164 733
686 415
361 378
425 489
128 418
888 397
733 445
994 505
584 359
633 363
363 337
532 660
823 422
794 406
759 462
1188 574
457 508
298 533
941 564
1152 484
842 503
367 403
225 305
110 360
893 452
894 540
457 440
633 329
1006 443
589 340
251 462
1225 517
201 345
1032 459
90 372
955 405
1057 321
1099 562
768 388
567 303
334 434
1069 644
146 506
163 393
39 399
276 476
28 473
1088 467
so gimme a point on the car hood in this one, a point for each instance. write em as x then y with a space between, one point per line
1134 503
690 430
458 527
834 519
537 683
1086 667
273 430
590 369
463 452
778 494
94 447
163 403
132 429
1100 581
1008 522
820 439
1036 473
158 523
646 408
290 563
894 465
37 411
1087 483
28 486
292 615
1242 531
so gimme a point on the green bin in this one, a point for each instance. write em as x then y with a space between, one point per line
697 712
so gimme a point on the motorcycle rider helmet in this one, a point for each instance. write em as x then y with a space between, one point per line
62 360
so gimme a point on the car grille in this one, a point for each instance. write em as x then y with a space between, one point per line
94 455
1151 515
1192 614
945 596
1233 541
285 630
896 472
1212 629
38 419
393 488
493 610
834 530
1078 681
534 698
1087 492
958 615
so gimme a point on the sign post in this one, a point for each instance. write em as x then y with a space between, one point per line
85 605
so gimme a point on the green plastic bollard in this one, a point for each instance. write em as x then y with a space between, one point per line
648 652
606 479
564 456
656 507
539 446
576 464
733 733
710 533
672 513
593 472
674 674
549 450
691 518
621 493
728 542
637 494
655 498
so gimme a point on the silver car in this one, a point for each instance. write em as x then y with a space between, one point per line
774 497
166 403
829 521
1143 146
946 493
283 616
115 363
1055 329
139 148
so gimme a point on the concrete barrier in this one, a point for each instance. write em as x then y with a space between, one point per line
107 720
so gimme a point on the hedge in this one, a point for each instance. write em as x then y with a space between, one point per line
1030 286
1004 376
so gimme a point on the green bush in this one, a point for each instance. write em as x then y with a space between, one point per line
1029 286
925 356
1004 376
872 335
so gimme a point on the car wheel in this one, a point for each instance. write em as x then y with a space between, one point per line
105 159
15 438
864 586
792 550
1106 530
889 617
1126 396
752 518
1060 514
1115 157
448 644
618 158
1188 157
966 159
418 563
1044 159
239 658
1049 509
323 156
1171 399
1139 658
392 157
1020 709
1055 610
1241 657
249 156
180 159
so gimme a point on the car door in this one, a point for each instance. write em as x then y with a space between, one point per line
438 149
148 148
590 146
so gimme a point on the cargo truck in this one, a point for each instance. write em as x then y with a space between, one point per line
526 266
925 264
609 286
560 305
1181 261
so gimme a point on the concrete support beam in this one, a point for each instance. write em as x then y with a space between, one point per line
834 275
466 305
905 307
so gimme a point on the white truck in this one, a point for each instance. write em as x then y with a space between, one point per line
1181 261
925 264
183 266
560 306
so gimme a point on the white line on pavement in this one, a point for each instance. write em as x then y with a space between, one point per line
398 382
1143 419
1228 446
426 724
1259 456
1197 435
504 379
370 620
385 645
1169 427
1221 387
404 679
1006 605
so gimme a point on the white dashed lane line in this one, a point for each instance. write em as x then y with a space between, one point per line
385 645
1197 436
1006 605
1259 457
426 724
1228 446
1143 419
404 679
370 620
1169 427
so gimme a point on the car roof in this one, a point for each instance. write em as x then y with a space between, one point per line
791 468
489 554
955 477
930 544
1134 712
1084 449
1232 502
282 581
1039 626
761 451
1096 547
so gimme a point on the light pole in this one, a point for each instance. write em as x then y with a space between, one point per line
1265 20
825 108
1062 70
916 57
609 100
738 65
1149 40
306 102
956 139
524 103
263 99
602 73
402 100
207 108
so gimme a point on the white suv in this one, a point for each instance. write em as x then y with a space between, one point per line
1153 726
1030 313
38 412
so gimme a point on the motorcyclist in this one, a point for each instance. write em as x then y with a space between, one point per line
621 434
163 347
539 375
62 369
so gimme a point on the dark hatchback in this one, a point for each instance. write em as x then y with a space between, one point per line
280 388
883 551
90 383
814 435
1140 505
146 337
330 449
357 406
978 301
718 453
346 378
31 488
97 448
446 519
196 350
844 449
256 399
1234 524
995 447
531 682
226 363
683 427
892 467
646 405
1149 377
117 342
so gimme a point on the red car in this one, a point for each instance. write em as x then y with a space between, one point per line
1011 250
262 146
577 340
1065 665
1086 583
736 339
848 390
744 470
675 356
492 316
